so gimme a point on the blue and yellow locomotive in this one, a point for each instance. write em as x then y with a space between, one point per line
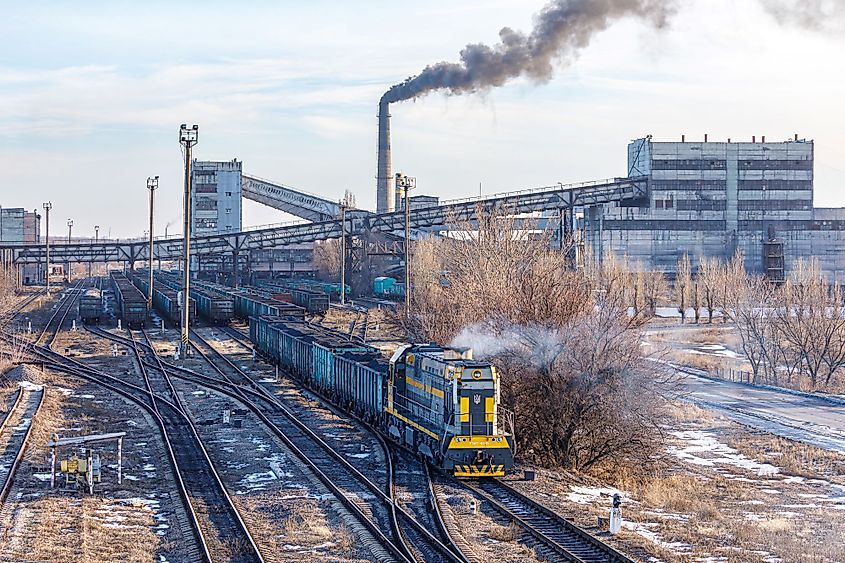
437 401
444 404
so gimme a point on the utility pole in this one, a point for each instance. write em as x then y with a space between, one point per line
342 252
406 184
152 185
69 229
47 207
188 138
96 238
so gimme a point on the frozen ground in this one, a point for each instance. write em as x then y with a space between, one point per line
806 419
721 493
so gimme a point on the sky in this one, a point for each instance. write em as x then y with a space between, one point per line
92 95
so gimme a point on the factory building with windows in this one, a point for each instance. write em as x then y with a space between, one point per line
216 208
714 198
215 197
19 225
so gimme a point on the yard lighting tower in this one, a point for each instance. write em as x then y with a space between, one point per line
47 207
342 252
96 240
69 230
405 184
152 185
188 138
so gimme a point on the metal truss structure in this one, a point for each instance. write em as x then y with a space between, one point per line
562 197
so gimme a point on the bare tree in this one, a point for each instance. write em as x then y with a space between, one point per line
327 258
683 283
564 340
710 280
653 289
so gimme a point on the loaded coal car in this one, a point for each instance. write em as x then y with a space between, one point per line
166 301
314 302
130 303
249 304
218 309
351 374
91 305
437 401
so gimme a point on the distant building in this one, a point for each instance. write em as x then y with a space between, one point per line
215 197
19 225
710 199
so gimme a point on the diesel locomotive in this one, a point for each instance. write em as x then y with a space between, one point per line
437 401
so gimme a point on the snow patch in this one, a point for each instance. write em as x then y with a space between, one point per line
704 442
589 495
30 386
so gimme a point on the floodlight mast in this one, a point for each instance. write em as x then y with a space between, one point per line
47 207
188 137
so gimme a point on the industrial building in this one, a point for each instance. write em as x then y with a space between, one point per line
712 198
215 197
19 225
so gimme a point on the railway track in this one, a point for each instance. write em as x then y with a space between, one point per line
552 536
210 507
53 326
15 431
263 406
411 476
413 489
346 481
350 481
198 484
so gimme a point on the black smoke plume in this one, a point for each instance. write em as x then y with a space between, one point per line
560 29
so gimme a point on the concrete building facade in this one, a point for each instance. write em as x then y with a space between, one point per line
712 198
19 225
215 197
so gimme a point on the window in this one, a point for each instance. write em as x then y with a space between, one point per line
228 194
228 211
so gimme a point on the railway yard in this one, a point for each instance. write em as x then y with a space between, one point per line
227 458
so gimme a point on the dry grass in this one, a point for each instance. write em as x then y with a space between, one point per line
306 522
687 412
507 533
793 458
720 510
89 529
700 361
274 525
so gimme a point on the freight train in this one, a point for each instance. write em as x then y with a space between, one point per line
216 307
166 300
91 305
131 305
438 401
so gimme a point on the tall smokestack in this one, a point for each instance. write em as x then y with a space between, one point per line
384 173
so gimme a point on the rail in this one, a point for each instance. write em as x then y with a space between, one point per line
556 538
24 412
